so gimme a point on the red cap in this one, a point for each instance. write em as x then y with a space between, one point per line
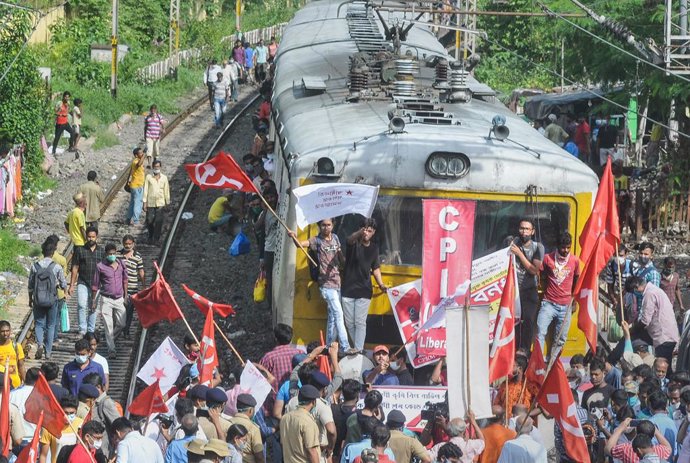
381 348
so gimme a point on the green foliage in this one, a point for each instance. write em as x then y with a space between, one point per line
10 248
23 100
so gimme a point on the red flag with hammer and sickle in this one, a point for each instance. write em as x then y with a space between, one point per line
221 172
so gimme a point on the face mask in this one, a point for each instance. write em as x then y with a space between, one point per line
91 243
128 248
394 365
194 355
71 417
667 271
111 258
97 444
256 210
248 168
644 260
242 446
634 401
621 260
572 384
81 359
156 171
525 239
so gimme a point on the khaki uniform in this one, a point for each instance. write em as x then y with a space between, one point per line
322 414
82 410
209 429
405 447
254 443
298 434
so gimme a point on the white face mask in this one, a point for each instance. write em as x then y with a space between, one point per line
97 444
156 171
394 365
572 384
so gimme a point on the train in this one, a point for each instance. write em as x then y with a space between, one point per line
367 96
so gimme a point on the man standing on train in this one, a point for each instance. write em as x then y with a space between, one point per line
325 247
528 256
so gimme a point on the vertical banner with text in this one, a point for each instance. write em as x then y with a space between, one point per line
446 263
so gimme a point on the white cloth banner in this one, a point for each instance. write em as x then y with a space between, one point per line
253 382
410 400
325 200
164 364
468 391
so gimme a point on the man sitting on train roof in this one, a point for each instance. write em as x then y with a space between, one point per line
381 374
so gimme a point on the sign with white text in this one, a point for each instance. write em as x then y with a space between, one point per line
410 400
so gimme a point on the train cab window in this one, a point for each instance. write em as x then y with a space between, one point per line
400 226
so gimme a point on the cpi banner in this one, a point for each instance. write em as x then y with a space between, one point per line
446 263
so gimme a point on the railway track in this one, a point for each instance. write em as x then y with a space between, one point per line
195 139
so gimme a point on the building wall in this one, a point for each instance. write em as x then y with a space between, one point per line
42 33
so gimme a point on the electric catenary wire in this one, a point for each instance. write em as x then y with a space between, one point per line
584 88
611 44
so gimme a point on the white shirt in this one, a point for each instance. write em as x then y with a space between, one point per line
135 448
18 398
99 359
535 434
522 449
352 366
211 73
231 72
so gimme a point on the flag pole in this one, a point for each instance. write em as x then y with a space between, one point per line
284 225
505 414
228 342
467 350
552 360
620 286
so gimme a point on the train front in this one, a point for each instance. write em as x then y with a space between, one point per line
361 100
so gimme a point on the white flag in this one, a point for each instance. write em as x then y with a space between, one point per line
164 364
253 382
325 200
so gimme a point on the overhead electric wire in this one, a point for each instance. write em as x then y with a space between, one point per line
584 87
611 44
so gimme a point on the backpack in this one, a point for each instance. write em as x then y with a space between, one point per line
45 286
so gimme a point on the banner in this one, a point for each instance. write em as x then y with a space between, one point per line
326 200
221 172
164 365
405 301
410 400
468 385
446 262
253 382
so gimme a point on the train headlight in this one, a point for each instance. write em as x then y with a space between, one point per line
447 165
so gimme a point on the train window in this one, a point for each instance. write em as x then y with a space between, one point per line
400 226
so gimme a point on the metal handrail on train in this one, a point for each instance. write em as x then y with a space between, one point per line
168 243
110 195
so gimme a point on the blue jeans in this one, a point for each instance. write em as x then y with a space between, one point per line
335 324
547 313
136 203
87 318
45 316
220 222
219 107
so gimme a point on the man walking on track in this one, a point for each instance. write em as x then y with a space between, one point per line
94 196
84 263
153 129
109 292
156 198
136 186
528 256
62 121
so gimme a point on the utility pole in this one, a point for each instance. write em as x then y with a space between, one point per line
174 32
238 13
562 64
113 44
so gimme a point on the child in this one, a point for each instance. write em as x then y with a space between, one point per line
76 123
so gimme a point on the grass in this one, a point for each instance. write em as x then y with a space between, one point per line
105 138
10 248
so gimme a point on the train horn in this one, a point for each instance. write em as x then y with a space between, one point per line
499 128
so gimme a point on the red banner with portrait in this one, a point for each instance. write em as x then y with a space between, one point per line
446 265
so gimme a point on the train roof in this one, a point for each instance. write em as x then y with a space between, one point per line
320 115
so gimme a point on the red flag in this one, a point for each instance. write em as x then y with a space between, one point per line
322 360
219 173
221 309
603 221
149 401
536 368
29 454
5 412
208 360
587 294
156 303
556 398
502 353
41 401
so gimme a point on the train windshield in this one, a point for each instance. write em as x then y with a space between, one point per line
400 226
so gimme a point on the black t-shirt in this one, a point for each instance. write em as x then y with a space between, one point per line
597 394
360 261
607 136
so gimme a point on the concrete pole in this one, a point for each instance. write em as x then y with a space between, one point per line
113 43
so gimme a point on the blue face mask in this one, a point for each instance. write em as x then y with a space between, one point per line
634 401
111 258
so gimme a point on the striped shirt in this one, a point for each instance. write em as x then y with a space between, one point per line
133 264
153 124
